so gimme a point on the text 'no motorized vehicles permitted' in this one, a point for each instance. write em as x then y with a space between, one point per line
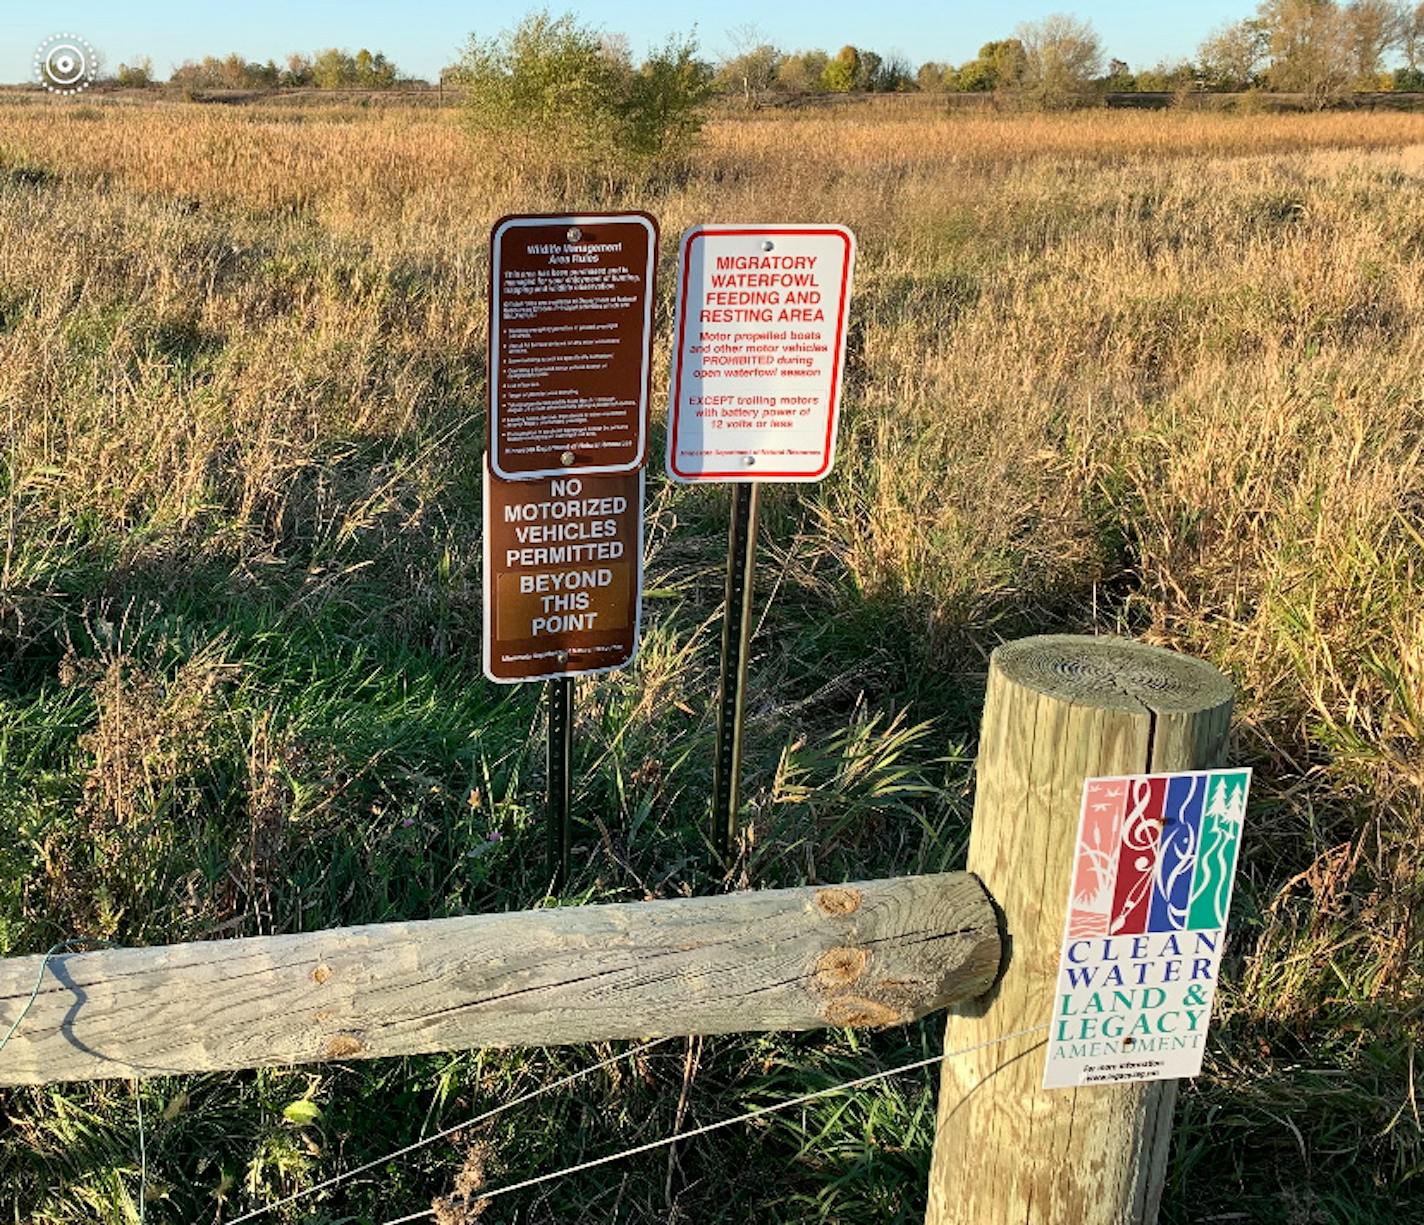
761 322
571 310
563 575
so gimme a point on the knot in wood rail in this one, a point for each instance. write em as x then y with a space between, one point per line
838 900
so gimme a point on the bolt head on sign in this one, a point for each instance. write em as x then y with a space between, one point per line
571 313
760 352
563 575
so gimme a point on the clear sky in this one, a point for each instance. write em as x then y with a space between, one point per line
424 35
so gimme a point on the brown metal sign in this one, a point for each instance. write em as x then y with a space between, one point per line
563 575
571 313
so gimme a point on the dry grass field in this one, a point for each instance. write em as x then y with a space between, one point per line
1150 373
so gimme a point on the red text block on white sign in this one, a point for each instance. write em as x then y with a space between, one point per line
760 335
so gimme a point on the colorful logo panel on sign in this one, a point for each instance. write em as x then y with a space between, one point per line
1157 853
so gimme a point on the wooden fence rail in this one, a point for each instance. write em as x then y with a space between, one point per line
867 954
1059 710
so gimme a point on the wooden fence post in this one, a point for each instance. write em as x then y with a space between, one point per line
1059 709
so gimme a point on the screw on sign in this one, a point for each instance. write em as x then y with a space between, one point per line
757 371
571 312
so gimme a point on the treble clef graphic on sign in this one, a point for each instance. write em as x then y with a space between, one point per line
1139 852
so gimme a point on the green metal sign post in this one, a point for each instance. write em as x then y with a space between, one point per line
736 639
560 778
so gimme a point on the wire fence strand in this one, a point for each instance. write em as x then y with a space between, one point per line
76 945
552 1087
692 1132
142 1156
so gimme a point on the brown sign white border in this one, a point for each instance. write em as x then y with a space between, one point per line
491 594
533 220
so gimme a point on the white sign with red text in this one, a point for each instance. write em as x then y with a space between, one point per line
757 368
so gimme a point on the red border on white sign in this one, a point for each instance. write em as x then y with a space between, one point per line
743 475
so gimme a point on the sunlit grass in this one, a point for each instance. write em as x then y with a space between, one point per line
1148 373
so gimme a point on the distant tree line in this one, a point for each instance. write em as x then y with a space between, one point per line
1319 48
755 69
555 95
1322 49
333 68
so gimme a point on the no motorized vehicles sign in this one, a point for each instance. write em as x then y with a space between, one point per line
563 575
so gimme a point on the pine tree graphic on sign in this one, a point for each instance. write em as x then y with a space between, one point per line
1221 836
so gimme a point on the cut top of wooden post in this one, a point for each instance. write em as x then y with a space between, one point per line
866 954
1185 702
1113 672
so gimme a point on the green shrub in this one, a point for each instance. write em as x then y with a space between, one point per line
802 72
841 73
557 94
335 68
661 110
999 66
138 75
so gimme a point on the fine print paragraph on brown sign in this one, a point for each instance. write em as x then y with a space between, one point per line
563 575
571 312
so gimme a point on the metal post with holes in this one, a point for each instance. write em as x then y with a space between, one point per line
560 777
736 635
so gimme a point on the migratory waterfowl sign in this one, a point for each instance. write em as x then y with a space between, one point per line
1152 879
571 314
759 351
563 575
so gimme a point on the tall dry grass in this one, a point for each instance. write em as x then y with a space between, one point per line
1154 373
418 165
